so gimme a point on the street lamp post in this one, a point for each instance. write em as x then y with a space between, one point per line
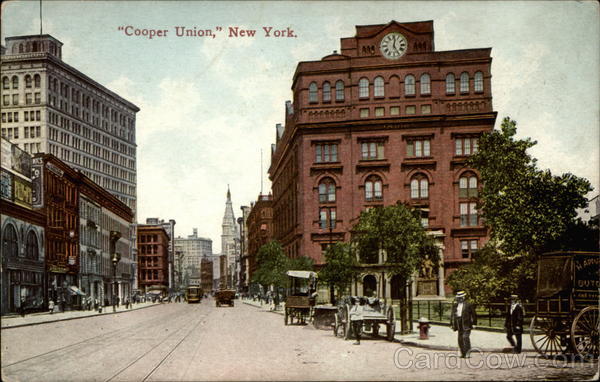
115 258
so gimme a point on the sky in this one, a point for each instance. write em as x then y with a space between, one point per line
209 104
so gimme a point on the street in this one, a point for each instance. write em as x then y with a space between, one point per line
181 342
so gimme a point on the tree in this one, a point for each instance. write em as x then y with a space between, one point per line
397 232
526 208
340 267
529 211
301 263
272 263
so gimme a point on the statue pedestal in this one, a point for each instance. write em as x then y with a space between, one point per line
427 286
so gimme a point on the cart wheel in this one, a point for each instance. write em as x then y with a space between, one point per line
390 326
286 316
584 332
546 335
347 326
336 325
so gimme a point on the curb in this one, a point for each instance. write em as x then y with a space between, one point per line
73 318
453 348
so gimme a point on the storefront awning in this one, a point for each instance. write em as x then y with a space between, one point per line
74 290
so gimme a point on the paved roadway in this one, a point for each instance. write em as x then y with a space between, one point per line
180 342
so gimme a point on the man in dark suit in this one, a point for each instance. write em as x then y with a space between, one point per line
514 323
462 319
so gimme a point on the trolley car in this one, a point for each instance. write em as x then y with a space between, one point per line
193 294
567 313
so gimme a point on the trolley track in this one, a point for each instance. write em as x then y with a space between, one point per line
134 330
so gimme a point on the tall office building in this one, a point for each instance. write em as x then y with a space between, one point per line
193 249
49 106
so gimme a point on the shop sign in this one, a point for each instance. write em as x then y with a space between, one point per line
57 269
22 192
6 185
37 183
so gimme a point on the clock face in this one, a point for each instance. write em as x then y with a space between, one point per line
393 45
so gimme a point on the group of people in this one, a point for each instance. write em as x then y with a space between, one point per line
463 318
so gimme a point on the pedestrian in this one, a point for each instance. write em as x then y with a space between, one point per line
126 303
51 306
356 317
462 319
514 323
22 306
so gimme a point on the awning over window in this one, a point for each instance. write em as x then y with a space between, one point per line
75 291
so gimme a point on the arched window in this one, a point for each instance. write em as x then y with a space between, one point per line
478 83
326 92
373 188
327 191
369 286
450 83
20 48
409 85
28 81
419 187
464 82
467 186
363 88
425 84
15 82
10 244
379 87
312 92
31 246
5 83
339 90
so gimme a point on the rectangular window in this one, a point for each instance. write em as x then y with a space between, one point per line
38 131
466 146
38 98
37 115
16 133
327 218
394 110
5 100
468 215
15 99
425 109
4 117
418 148
411 109
26 116
10 115
28 98
372 150
468 248
326 152
26 131
379 111
364 113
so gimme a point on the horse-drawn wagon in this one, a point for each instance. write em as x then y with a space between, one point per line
567 314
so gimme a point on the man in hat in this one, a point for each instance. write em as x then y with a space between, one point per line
462 319
514 323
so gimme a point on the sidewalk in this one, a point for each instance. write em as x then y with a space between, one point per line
442 337
15 321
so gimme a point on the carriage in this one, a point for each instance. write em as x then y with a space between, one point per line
224 296
566 320
374 314
301 296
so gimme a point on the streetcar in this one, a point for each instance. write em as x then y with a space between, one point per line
193 294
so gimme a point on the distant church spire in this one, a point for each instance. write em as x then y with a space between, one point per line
228 193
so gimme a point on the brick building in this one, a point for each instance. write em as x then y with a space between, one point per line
387 119
153 258
260 229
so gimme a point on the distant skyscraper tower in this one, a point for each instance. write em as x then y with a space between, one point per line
230 243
